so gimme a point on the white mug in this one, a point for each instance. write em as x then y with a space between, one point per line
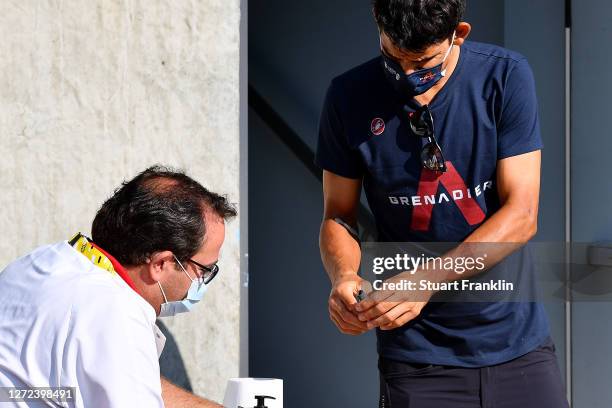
242 391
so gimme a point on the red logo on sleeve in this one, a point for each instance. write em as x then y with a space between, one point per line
377 126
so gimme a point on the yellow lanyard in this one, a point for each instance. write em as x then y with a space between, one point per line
83 246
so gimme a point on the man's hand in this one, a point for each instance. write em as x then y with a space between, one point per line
388 309
342 305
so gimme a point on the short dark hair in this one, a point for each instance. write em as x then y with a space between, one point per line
415 25
161 209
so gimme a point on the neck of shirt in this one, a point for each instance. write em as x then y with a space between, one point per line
121 271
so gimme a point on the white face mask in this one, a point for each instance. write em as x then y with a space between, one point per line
194 295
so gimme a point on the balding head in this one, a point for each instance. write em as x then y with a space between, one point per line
158 210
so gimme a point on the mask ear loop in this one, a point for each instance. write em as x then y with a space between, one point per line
162 291
183 268
443 72
160 286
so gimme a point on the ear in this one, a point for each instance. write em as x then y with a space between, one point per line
462 32
159 264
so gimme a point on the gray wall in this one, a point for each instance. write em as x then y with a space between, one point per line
295 48
536 29
592 191
291 336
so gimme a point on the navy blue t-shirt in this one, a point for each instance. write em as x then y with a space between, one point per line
486 111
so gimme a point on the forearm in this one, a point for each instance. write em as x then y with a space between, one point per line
503 233
176 397
509 224
340 252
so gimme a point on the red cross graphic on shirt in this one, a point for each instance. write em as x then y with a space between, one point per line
451 180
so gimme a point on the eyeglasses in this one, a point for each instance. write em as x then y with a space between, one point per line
421 123
207 273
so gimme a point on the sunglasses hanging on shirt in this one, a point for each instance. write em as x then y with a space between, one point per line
421 123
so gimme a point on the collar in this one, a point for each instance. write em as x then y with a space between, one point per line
101 258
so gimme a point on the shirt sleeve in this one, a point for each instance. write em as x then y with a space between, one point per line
117 363
519 127
334 152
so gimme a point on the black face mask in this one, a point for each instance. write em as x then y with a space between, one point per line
417 82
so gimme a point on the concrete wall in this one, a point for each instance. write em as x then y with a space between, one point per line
92 92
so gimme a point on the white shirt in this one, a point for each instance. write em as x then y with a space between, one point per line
66 322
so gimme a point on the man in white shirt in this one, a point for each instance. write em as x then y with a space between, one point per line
81 313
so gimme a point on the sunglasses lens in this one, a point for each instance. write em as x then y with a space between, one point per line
431 157
418 130
419 125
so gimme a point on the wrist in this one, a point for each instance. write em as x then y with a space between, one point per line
344 276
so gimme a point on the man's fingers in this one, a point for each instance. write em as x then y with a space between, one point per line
377 311
400 320
346 315
347 297
380 308
343 327
344 324
390 316
372 300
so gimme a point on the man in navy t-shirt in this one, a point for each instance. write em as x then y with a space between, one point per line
443 135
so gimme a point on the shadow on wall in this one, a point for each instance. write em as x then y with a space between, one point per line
171 363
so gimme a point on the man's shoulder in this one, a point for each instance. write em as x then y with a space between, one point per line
57 280
366 75
364 70
361 89
101 295
481 52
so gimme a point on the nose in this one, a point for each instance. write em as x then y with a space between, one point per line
410 69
